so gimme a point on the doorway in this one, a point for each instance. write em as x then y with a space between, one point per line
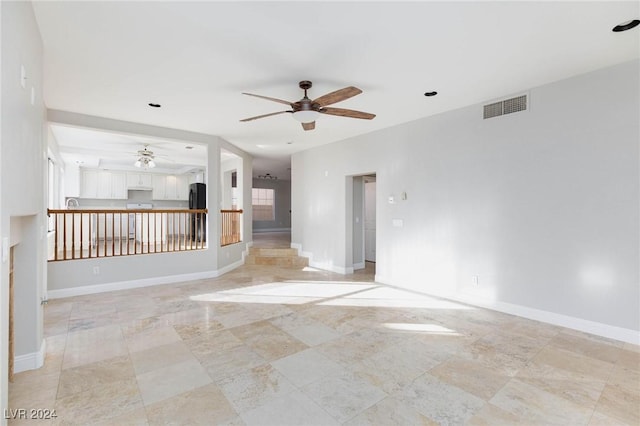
361 207
370 218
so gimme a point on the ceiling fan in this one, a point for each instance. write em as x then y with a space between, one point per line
145 158
306 110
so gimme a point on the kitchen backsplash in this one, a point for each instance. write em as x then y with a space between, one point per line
134 197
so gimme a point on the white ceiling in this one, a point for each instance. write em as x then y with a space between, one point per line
97 149
111 59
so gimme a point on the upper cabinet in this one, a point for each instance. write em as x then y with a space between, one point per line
106 184
170 187
139 181
103 184
89 184
182 187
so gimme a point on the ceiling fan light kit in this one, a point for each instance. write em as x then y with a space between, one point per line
145 159
306 116
147 163
307 111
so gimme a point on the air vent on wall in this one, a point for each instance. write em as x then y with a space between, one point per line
496 109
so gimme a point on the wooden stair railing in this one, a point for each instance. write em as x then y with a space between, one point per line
90 233
230 221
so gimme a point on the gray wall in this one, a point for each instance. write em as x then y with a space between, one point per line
541 205
282 205
22 181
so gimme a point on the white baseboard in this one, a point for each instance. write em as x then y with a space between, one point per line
146 282
580 324
357 266
320 265
264 230
231 267
30 361
574 323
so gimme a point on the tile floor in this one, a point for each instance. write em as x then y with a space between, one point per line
270 346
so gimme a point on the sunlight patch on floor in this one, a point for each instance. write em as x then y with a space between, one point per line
290 292
385 297
434 329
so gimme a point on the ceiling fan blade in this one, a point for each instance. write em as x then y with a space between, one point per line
309 126
264 115
269 99
337 96
347 113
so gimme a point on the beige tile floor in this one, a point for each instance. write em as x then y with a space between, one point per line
270 346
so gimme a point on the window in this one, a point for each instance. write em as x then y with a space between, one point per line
263 205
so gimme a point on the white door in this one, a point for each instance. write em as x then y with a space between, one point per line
370 221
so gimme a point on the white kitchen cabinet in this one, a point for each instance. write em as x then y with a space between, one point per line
139 181
196 177
103 184
158 187
72 181
182 187
89 184
170 187
119 185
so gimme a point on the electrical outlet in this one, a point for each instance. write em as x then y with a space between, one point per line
96 270
474 281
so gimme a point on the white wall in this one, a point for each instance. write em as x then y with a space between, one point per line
541 205
23 161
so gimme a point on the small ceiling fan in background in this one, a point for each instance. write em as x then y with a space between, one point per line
146 158
306 111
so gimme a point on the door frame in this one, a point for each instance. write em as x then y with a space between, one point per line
354 220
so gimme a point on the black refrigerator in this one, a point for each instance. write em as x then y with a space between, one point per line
198 200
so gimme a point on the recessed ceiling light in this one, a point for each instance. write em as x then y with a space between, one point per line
151 104
626 26
188 147
430 93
